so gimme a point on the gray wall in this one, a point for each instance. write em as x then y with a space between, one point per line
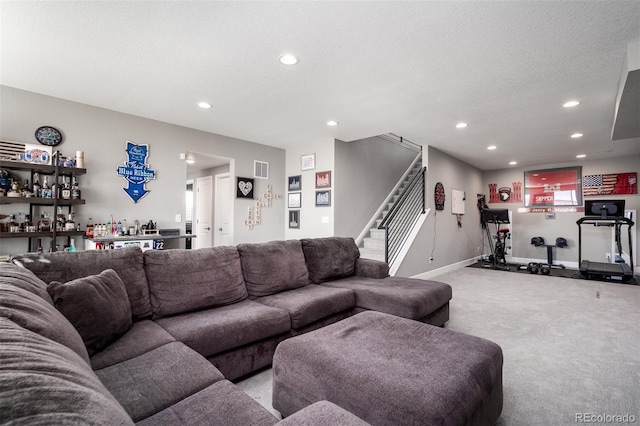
368 169
102 135
596 241
440 237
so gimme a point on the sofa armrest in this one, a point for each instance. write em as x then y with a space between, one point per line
370 268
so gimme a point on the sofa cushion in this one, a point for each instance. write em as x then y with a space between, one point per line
216 330
44 382
67 266
25 279
96 305
38 315
273 267
220 404
330 258
405 297
143 336
150 383
187 280
311 303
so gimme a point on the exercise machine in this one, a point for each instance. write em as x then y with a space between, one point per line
609 213
499 250
545 268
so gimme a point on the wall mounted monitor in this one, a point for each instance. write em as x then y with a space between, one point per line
605 209
495 216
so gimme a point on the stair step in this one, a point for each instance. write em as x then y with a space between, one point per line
374 244
371 254
377 234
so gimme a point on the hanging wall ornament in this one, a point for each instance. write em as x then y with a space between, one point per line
438 196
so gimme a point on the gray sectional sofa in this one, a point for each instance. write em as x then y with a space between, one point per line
122 336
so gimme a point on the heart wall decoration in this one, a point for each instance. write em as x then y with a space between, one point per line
244 188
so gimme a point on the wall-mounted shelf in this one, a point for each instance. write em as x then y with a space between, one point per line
40 234
39 201
41 168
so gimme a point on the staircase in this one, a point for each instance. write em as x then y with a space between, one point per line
373 245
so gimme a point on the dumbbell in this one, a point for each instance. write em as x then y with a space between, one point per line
545 269
533 267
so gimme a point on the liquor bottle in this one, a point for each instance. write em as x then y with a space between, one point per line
65 192
36 185
89 229
119 228
39 248
75 190
108 230
72 247
28 225
26 189
70 223
125 229
44 225
46 190
14 226
60 219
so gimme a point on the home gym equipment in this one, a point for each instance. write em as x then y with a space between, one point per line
609 213
498 251
560 243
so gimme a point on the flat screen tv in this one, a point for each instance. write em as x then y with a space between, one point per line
495 216
605 209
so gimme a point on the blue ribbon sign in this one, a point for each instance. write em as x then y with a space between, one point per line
136 171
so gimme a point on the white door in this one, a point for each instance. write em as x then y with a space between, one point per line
203 199
224 202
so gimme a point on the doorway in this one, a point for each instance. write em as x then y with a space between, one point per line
213 202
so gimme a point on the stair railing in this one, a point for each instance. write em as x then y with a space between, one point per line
402 216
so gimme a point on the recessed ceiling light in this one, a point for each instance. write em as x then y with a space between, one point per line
581 155
332 123
491 147
461 125
288 59
570 104
204 105
513 163
190 161
576 135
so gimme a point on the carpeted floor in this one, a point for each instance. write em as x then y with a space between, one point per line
571 347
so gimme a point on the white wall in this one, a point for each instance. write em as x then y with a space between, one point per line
369 169
315 221
102 135
440 237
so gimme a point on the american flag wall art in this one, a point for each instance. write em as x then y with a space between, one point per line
610 184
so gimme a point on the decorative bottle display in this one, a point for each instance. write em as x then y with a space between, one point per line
37 188
70 223
75 190
46 190
65 192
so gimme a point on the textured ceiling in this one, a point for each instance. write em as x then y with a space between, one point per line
410 68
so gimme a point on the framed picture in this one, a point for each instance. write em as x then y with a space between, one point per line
323 198
244 188
295 183
553 187
308 162
323 179
295 200
294 219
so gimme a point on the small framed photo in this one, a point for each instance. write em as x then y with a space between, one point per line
323 198
244 188
308 162
295 183
323 179
295 200
294 219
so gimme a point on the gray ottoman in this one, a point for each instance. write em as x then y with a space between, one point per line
389 370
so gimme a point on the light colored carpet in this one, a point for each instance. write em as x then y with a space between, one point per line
571 347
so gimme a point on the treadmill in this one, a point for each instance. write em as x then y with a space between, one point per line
609 213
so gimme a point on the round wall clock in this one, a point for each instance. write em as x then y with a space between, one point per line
48 135
438 196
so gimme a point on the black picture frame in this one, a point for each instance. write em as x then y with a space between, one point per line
323 198
294 219
245 187
295 183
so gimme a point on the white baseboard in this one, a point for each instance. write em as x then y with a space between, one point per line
449 268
